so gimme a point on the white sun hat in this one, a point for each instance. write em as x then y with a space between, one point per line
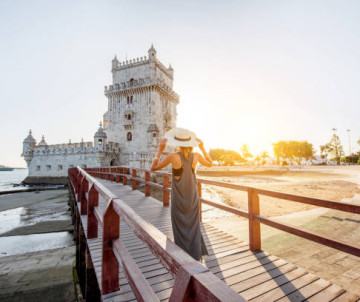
181 137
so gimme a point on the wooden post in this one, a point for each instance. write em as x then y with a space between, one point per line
124 177
147 186
133 180
83 191
166 195
117 174
254 226
200 203
92 292
82 259
110 265
78 190
92 226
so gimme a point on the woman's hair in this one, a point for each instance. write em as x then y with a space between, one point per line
186 151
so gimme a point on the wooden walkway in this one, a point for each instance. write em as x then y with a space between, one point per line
257 276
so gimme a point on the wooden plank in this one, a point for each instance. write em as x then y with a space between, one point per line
261 278
347 297
252 269
141 288
306 291
328 294
286 288
286 274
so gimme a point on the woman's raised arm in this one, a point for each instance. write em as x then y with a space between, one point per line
206 160
156 165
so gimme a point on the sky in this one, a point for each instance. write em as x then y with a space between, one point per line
247 72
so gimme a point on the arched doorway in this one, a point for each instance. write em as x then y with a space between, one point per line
114 162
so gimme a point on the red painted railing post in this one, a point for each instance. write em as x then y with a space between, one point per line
147 186
78 189
110 265
117 174
92 225
124 177
166 194
200 203
83 191
133 180
254 226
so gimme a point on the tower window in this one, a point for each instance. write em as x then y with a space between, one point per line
60 167
37 168
100 141
129 99
131 82
48 167
129 136
154 134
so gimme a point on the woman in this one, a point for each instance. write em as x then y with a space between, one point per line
185 203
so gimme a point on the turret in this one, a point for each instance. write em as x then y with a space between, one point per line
171 71
100 138
43 142
114 64
28 148
152 53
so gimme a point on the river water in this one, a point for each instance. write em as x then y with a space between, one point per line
10 180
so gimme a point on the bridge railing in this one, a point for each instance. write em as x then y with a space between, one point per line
253 213
191 278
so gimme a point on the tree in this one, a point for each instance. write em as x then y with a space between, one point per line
293 151
264 155
245 152
230 157
334 148
217 154
225 157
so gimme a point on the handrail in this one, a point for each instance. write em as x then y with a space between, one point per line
191 278
253 213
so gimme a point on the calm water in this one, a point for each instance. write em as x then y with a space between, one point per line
10 178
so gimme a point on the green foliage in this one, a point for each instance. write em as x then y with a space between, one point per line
245 152
225 157
293 150
216 154
333 148
351 159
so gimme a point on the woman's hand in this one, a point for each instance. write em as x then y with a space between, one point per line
201 143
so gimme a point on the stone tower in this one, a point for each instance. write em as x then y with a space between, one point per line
141 107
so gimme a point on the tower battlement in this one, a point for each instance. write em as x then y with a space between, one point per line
129 86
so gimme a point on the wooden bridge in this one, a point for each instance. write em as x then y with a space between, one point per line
125 250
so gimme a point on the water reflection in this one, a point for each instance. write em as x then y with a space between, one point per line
10 219
19 217
15 245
